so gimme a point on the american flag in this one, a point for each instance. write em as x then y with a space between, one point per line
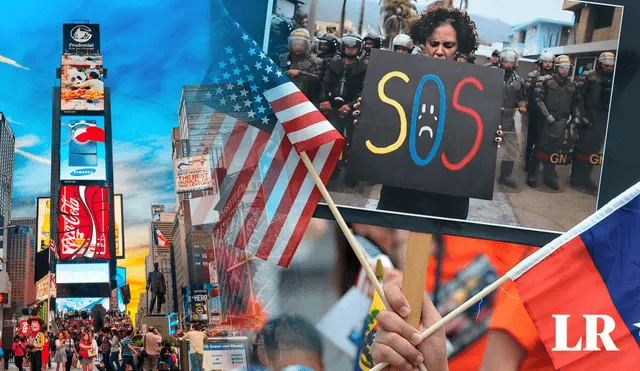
265 196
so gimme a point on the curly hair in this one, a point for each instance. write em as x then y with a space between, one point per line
434 17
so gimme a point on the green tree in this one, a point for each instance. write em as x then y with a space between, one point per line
396 17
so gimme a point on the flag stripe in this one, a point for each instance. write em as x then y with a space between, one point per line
280 91
274 228
579 229
242 182
236 165
308 198
273 198
288 101
225 132
240 214
304 121
310 132
327 137
293 112
277 161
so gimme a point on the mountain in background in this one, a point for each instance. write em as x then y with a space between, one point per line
489 30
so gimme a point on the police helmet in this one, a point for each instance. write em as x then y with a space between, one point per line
300 36
377 40
496 53
607 58
404 41
546 56
352 40
508 55
329 39
563 61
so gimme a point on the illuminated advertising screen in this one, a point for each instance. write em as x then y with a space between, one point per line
121 279
64 305
192 173
82 148
44 224
82 273
81 38
119 225
83 222
46 287
81 85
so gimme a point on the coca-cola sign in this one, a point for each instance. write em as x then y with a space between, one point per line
83 222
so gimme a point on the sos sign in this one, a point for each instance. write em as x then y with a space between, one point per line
429 125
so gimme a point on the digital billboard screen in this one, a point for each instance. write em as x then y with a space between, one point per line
81 38
121 279
82 273
81 85
44 224
119 225
83 222
80 304
82 148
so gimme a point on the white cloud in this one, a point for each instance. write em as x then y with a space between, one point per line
33 157
12 63
28 140
14 121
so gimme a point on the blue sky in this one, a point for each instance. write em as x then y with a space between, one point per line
151 48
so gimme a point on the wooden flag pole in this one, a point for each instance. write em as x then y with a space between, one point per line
417 241
415 272
355 245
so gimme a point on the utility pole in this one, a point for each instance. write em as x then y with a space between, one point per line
361 23
342 17
311 20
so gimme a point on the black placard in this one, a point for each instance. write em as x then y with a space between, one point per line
456 110
80 39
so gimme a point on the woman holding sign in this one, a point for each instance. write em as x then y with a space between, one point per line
446 33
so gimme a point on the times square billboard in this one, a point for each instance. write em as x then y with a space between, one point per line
82 148
83 222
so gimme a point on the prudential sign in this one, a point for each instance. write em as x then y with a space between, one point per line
81 39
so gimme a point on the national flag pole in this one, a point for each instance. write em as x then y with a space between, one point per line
355 245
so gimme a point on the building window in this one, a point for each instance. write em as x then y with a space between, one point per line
603 17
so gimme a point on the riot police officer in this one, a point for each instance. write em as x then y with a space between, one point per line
328 45
302 68
342 86
595 95
535 123
513 99
402 43
557 98
371 41
495 60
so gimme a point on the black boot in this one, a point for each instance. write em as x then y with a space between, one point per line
551 183
532 179
506 169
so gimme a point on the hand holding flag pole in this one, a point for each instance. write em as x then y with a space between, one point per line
616 220
353 242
